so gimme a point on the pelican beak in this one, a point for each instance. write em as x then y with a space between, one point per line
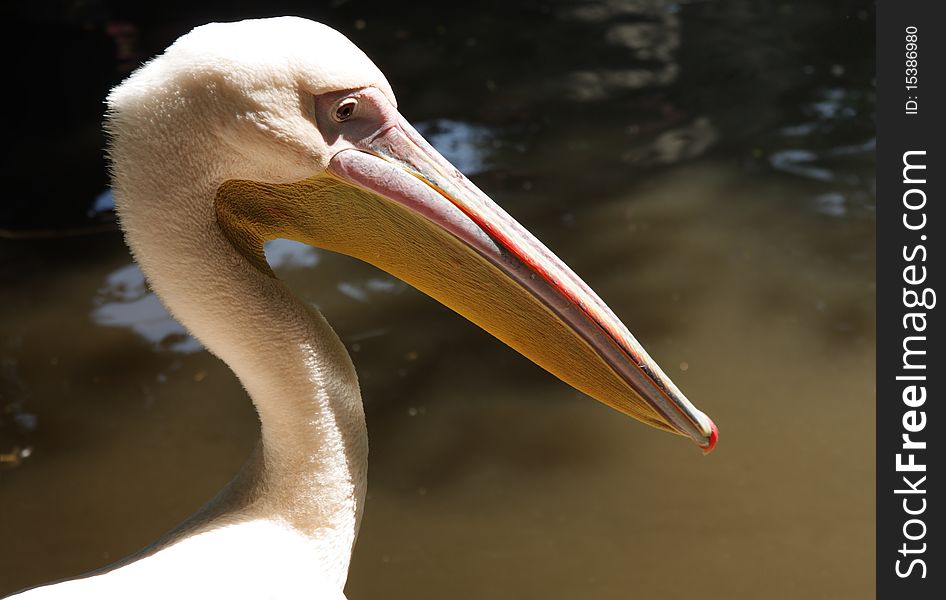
395 202
523 293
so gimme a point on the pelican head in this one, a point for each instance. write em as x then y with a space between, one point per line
296 134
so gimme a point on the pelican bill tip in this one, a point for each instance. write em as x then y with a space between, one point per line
713 438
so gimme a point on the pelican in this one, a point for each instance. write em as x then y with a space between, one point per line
245 132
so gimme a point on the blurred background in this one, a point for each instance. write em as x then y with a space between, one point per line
706 166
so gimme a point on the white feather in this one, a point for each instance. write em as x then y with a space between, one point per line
227 101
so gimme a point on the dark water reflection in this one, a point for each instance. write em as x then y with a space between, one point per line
706 167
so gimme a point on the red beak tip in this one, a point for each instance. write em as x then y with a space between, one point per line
714 437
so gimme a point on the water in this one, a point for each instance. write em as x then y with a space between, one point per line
706 167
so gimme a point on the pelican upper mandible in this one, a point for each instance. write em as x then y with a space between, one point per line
281 128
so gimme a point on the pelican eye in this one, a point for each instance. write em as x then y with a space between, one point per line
345 109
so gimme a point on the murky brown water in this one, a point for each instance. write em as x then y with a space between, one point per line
717 193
